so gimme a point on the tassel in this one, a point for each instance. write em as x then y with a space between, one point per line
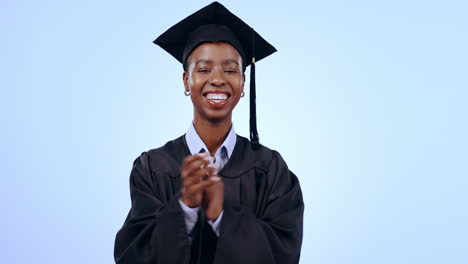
254 139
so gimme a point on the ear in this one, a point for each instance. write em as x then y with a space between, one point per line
185 80
243 81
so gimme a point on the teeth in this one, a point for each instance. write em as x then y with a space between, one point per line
216 97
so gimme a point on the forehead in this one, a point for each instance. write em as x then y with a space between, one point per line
215 52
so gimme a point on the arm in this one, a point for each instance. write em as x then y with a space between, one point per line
154 231
190 217
274 235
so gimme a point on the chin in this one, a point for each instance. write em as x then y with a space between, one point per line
217 117
215 120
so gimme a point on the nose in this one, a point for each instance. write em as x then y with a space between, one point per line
217 78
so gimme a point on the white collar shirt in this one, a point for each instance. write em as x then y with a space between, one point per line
222 155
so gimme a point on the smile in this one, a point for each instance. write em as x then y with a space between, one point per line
216 97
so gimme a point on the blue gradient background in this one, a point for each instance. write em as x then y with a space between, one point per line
365 100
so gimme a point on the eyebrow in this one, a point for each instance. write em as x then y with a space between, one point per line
211 62
203 61
230 61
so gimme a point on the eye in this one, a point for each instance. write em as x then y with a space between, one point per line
204 70
230 71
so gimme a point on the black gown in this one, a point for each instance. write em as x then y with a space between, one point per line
262 220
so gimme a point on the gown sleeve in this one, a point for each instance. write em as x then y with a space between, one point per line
154 230
272 236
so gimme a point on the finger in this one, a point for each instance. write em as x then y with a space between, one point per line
217 184
204 156
187 168
204 173
215 166
198 176
189 159
195 165
215 178
199 156
200 187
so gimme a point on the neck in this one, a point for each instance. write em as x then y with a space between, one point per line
212 134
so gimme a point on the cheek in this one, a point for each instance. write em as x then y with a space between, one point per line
195 82
236 81
241 85
190 81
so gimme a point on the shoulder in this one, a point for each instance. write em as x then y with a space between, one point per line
263 152
166 158
263 157
267 165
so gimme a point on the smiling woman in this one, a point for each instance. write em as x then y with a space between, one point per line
215 81
211 196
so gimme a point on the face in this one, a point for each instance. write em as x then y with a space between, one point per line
215 80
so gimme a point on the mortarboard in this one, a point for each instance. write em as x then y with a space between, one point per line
215 23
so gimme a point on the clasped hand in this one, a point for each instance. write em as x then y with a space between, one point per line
201 185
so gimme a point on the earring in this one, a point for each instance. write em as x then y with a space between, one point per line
187 92
242 94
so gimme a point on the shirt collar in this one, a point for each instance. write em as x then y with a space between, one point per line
196 144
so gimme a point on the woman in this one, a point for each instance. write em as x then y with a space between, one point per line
211 196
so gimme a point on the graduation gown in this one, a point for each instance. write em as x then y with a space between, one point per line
262 220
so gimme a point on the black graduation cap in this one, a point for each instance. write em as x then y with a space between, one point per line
215 23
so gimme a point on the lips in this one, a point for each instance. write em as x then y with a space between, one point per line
216 97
